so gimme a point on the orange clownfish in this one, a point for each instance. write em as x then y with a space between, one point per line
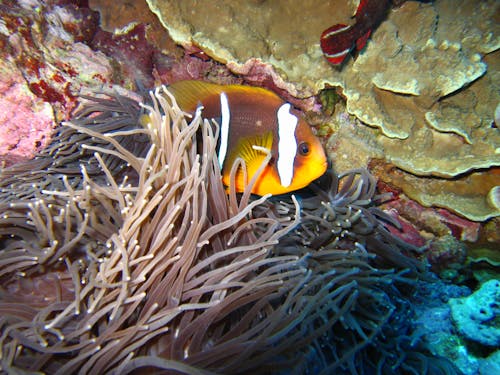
251 120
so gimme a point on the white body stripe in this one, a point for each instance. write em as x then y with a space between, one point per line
335 32
287 145
224 128
342 53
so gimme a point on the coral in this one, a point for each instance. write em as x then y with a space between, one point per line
131 50
278 34
484 263
115 17
491 364
477 316
431 94
467 195
446 252
137 41
455 134
432 222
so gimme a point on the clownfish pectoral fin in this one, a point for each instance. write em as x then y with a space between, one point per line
253 151
361 42
250 149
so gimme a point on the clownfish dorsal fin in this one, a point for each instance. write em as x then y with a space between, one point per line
190 94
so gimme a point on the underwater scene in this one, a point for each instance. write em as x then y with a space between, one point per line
250 187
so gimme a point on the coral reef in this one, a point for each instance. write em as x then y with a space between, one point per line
434 326
114 252
54 52
441 308
431 94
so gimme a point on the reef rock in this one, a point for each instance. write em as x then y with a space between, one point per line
477 316
427 81
44 66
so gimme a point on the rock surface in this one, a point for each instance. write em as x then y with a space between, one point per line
477 317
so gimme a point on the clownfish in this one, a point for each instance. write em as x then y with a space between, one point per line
253 120
339 40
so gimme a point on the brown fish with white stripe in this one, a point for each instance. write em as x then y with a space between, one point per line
251 120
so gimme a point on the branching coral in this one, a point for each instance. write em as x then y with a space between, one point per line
123 252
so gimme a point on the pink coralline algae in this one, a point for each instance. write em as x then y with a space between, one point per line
26 120
407 231
191 65
42 40
435 222
437 232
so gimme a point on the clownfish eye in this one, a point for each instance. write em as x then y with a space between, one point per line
304 148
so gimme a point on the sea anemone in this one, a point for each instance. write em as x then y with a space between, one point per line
122 251
100 275
369 275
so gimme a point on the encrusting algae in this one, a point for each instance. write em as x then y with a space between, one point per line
122 252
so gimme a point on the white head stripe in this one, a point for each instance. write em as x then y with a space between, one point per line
224 128
287 145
